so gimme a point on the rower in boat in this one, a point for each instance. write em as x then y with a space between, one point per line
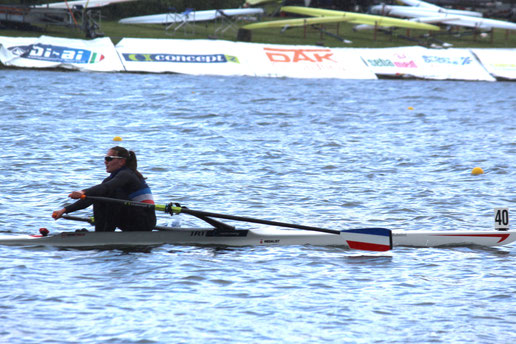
369 239
125 183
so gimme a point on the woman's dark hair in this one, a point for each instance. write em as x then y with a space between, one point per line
130 159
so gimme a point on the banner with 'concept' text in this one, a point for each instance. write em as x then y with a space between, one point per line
196 57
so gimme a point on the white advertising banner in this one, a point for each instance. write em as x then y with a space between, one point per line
211 57
97 55
197 57
420 62
501 63
297 61
392 62
453 64
218 57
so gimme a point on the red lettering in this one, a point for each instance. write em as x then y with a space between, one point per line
277 57
320 58
298 55
410 64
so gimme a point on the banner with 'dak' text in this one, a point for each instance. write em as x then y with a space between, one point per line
298 61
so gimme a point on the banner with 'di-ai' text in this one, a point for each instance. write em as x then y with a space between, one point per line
97 55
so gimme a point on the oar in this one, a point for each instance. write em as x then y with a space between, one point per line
169 208
369 239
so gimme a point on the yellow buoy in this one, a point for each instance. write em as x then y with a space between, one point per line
476 171
410 108
117 138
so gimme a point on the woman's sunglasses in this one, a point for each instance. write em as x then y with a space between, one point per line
111 157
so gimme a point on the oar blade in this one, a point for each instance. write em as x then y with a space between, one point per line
368 239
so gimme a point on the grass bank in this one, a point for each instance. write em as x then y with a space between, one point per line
298 35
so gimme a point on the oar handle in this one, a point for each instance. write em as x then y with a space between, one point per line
90 220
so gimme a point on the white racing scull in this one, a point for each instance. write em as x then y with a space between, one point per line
369 239
221 234
265 237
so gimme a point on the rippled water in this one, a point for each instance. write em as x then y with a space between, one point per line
329 153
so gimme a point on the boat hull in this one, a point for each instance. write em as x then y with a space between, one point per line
262 237
452 238
197 236
197 16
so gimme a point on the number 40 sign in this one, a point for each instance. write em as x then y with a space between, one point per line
501 219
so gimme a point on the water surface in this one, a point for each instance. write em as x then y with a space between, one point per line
330 153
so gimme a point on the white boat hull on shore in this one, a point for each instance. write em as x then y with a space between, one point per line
196 16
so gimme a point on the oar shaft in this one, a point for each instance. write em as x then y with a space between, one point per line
125 202
178 210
